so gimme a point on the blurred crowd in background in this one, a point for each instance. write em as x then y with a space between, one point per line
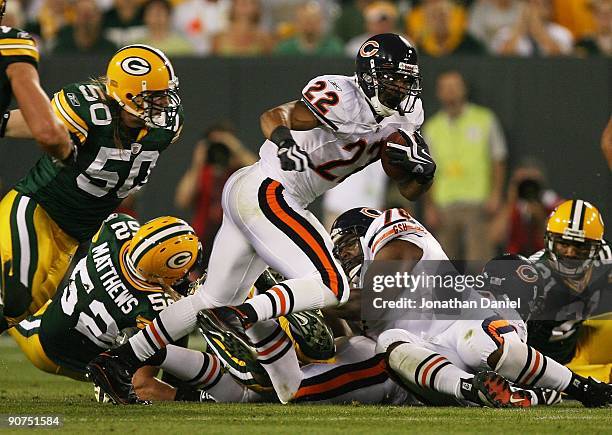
318 27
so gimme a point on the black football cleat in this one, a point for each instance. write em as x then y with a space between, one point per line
112 376
590 392
494 391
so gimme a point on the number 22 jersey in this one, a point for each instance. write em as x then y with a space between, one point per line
349 138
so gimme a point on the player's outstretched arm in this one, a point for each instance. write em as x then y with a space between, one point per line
35 118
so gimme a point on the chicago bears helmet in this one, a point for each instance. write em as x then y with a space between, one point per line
347 232
388 73
574 236
142 80
511 277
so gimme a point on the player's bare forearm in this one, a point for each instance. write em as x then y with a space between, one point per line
148 387
294 115
36 112
351 310
411 190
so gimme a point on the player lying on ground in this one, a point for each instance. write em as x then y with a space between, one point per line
127 277
439 355
576 265
120 124
19 77
336 129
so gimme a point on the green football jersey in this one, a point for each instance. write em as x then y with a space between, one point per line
568 304
100 301
112 162
15 46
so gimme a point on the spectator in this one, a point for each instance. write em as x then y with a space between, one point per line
123 23
13 16
51 17
487 17
85 35
310 38
157 16
574 15
278 15
379 17
606 143
600 42
244 35
468 145
199 20
534 33
350 21
522 219
215 157
438 28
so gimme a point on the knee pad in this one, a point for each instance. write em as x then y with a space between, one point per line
391 336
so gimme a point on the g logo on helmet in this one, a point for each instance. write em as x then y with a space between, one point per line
369 49
136 66
527 273
179 260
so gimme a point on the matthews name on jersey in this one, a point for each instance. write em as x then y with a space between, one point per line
349 138
100 301
572 302
15 46
112 162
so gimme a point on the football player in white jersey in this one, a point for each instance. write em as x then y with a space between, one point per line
443 355
337 128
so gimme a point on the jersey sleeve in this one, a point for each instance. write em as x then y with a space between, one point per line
394 224
17 46
330 103
71 108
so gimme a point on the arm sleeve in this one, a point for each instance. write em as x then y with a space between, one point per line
67 107
497 141
18 46
391 225
328 101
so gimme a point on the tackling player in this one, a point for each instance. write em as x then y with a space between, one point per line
19 77
441 355
576 265
120 123
128 275
336 129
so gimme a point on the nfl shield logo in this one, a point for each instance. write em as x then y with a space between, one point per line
136 147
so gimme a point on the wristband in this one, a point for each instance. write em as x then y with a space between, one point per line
4 122
280 135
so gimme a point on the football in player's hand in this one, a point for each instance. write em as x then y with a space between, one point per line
395 172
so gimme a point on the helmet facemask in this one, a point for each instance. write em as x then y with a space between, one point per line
158 108
349 251
392 90
584 252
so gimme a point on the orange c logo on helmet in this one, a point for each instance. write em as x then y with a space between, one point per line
369 49
179 260
527 273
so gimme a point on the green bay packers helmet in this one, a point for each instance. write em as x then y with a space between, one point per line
164 250
574 236
142 80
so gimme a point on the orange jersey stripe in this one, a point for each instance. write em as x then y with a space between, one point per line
383 237
494 326
304 235
341 380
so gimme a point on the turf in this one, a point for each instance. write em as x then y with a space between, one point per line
25 390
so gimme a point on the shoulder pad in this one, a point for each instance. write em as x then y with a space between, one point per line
72 106
393 223
331 99
119 226
17 46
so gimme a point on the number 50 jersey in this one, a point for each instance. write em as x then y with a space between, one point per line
112 161
348 139
100 300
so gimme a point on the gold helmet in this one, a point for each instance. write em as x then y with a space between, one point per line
141 79
164 250
574 236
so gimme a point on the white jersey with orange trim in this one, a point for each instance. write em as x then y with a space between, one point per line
348 139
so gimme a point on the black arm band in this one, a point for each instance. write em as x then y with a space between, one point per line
280 135
4 122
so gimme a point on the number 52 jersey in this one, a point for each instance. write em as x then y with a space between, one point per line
112 162
349 138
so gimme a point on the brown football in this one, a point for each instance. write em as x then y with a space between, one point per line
408 186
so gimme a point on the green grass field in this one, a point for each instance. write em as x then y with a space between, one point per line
25 390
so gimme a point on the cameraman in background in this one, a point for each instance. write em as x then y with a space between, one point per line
519 225
216 156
